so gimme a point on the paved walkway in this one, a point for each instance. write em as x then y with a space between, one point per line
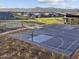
12 31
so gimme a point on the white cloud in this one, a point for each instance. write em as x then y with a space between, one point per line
56 1
74 0
61 3
53 1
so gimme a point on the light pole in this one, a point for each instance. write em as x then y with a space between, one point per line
32 35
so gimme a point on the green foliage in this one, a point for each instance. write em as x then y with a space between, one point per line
62 56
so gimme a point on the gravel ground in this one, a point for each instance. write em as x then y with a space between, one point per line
15 49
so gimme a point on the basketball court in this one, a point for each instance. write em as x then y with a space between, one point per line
60 38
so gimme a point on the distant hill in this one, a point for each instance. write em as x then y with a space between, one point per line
57 10
38 9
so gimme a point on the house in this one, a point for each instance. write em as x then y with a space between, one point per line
71 19
23 13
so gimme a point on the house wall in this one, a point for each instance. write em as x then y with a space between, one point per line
13 15
6 16
71 20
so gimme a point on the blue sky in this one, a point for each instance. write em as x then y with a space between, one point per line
21 3
39 3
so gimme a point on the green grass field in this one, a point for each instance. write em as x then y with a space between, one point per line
52 20
49 20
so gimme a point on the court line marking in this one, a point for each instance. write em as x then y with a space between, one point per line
72 44
57 48
61 43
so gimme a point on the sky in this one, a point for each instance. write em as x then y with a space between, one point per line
39 3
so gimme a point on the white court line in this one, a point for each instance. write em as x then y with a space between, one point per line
57 48
72 44
61 43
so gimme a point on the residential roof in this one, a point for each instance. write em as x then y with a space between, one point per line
72 15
